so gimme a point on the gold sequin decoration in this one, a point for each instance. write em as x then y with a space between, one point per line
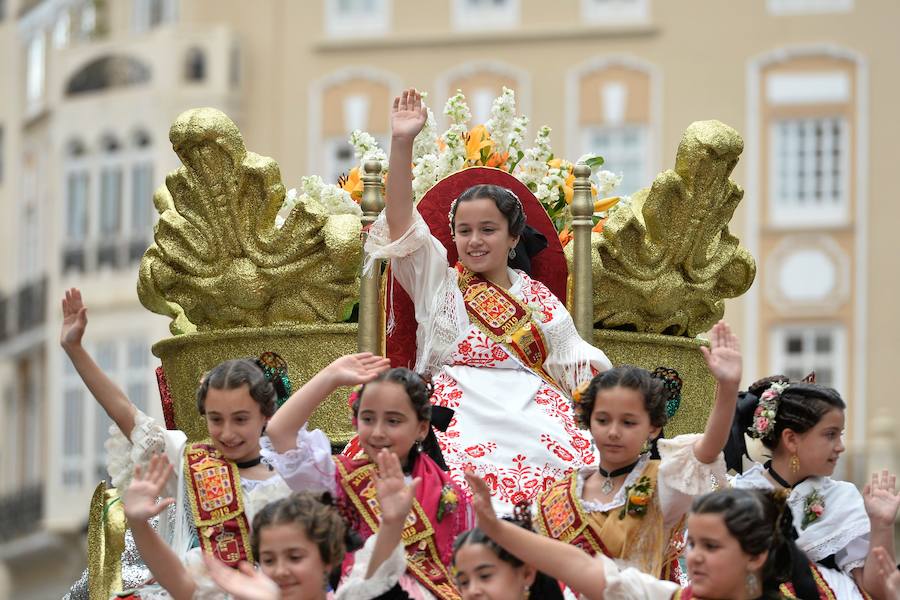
650 350
106 541
665 263
306 348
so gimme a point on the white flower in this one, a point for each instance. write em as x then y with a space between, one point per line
606 182
334 199
453 158
366 148
290 200
457 110
516 136
426 141
425 173
501 123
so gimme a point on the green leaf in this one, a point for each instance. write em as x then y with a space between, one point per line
594 161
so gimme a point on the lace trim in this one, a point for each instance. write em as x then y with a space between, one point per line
834 543
681 470
258 493
308 465
147 438
379 244
435 340
388 574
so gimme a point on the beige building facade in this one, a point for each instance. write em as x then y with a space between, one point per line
92 87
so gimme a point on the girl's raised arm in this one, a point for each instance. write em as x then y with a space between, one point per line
565 562
882 503
725 363
352 369
408 117
105 391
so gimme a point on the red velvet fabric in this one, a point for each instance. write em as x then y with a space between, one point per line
548 266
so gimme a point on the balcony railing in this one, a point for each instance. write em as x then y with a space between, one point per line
21 512
31 305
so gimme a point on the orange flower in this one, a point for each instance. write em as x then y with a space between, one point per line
352 183
498 160
569 188
598 228
605 204
476 141
639 499
555 163
565 236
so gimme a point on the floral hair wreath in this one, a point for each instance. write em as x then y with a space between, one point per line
764 416
456 201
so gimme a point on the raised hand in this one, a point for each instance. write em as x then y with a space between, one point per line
881 498
356 369
723 357
140 499
74 318
394 496
888 572
243 583
408 114
481 501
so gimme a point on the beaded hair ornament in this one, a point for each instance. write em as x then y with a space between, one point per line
672 383
507 190
764 416
275 368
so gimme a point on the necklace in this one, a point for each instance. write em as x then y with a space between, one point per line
248 463
607 486
779 479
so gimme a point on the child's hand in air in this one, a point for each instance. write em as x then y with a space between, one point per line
888 571
881 499
140 499
408 114
723 357
243 583
356 369
394 496
481 501
74 318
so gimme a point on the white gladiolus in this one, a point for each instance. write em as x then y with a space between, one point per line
457 110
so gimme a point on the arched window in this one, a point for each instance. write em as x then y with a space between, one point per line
108 72
195 65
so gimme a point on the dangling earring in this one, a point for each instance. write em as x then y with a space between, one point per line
419 446
526 593
795 464
753 589
648 445
511 253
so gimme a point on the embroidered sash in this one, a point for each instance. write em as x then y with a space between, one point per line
422 556
561 517
214 490
505 319
825 591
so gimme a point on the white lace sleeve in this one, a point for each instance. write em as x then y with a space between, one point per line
571 360
308 467
682 476
631 583
148 437
388 574
853 554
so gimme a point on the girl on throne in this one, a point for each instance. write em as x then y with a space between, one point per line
500 347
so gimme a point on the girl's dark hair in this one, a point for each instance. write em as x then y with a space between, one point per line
628 376
315 515
543 586
507 203
233 374
419 392
800 407
761 522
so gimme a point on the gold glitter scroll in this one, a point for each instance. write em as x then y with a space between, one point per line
307 349
217 260
665 263
106 541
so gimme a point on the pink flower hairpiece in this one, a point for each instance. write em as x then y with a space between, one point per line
764 416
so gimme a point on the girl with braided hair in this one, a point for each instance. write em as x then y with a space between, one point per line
739 547
801 425
632 506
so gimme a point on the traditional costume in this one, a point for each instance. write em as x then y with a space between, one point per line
642 526
440 511
832 526
505 360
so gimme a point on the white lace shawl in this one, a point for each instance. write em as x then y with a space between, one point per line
630 583
392 571
419 262
842 530
308 467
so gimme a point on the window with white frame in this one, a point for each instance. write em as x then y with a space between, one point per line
127 362
809 171
625 152
615 12
799 7
485 14
35 72
360 17
798 350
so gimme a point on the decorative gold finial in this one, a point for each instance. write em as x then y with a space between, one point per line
582 210
370 314
665 263
218 261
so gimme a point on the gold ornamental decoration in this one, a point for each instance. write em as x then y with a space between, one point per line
666 263
218 261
